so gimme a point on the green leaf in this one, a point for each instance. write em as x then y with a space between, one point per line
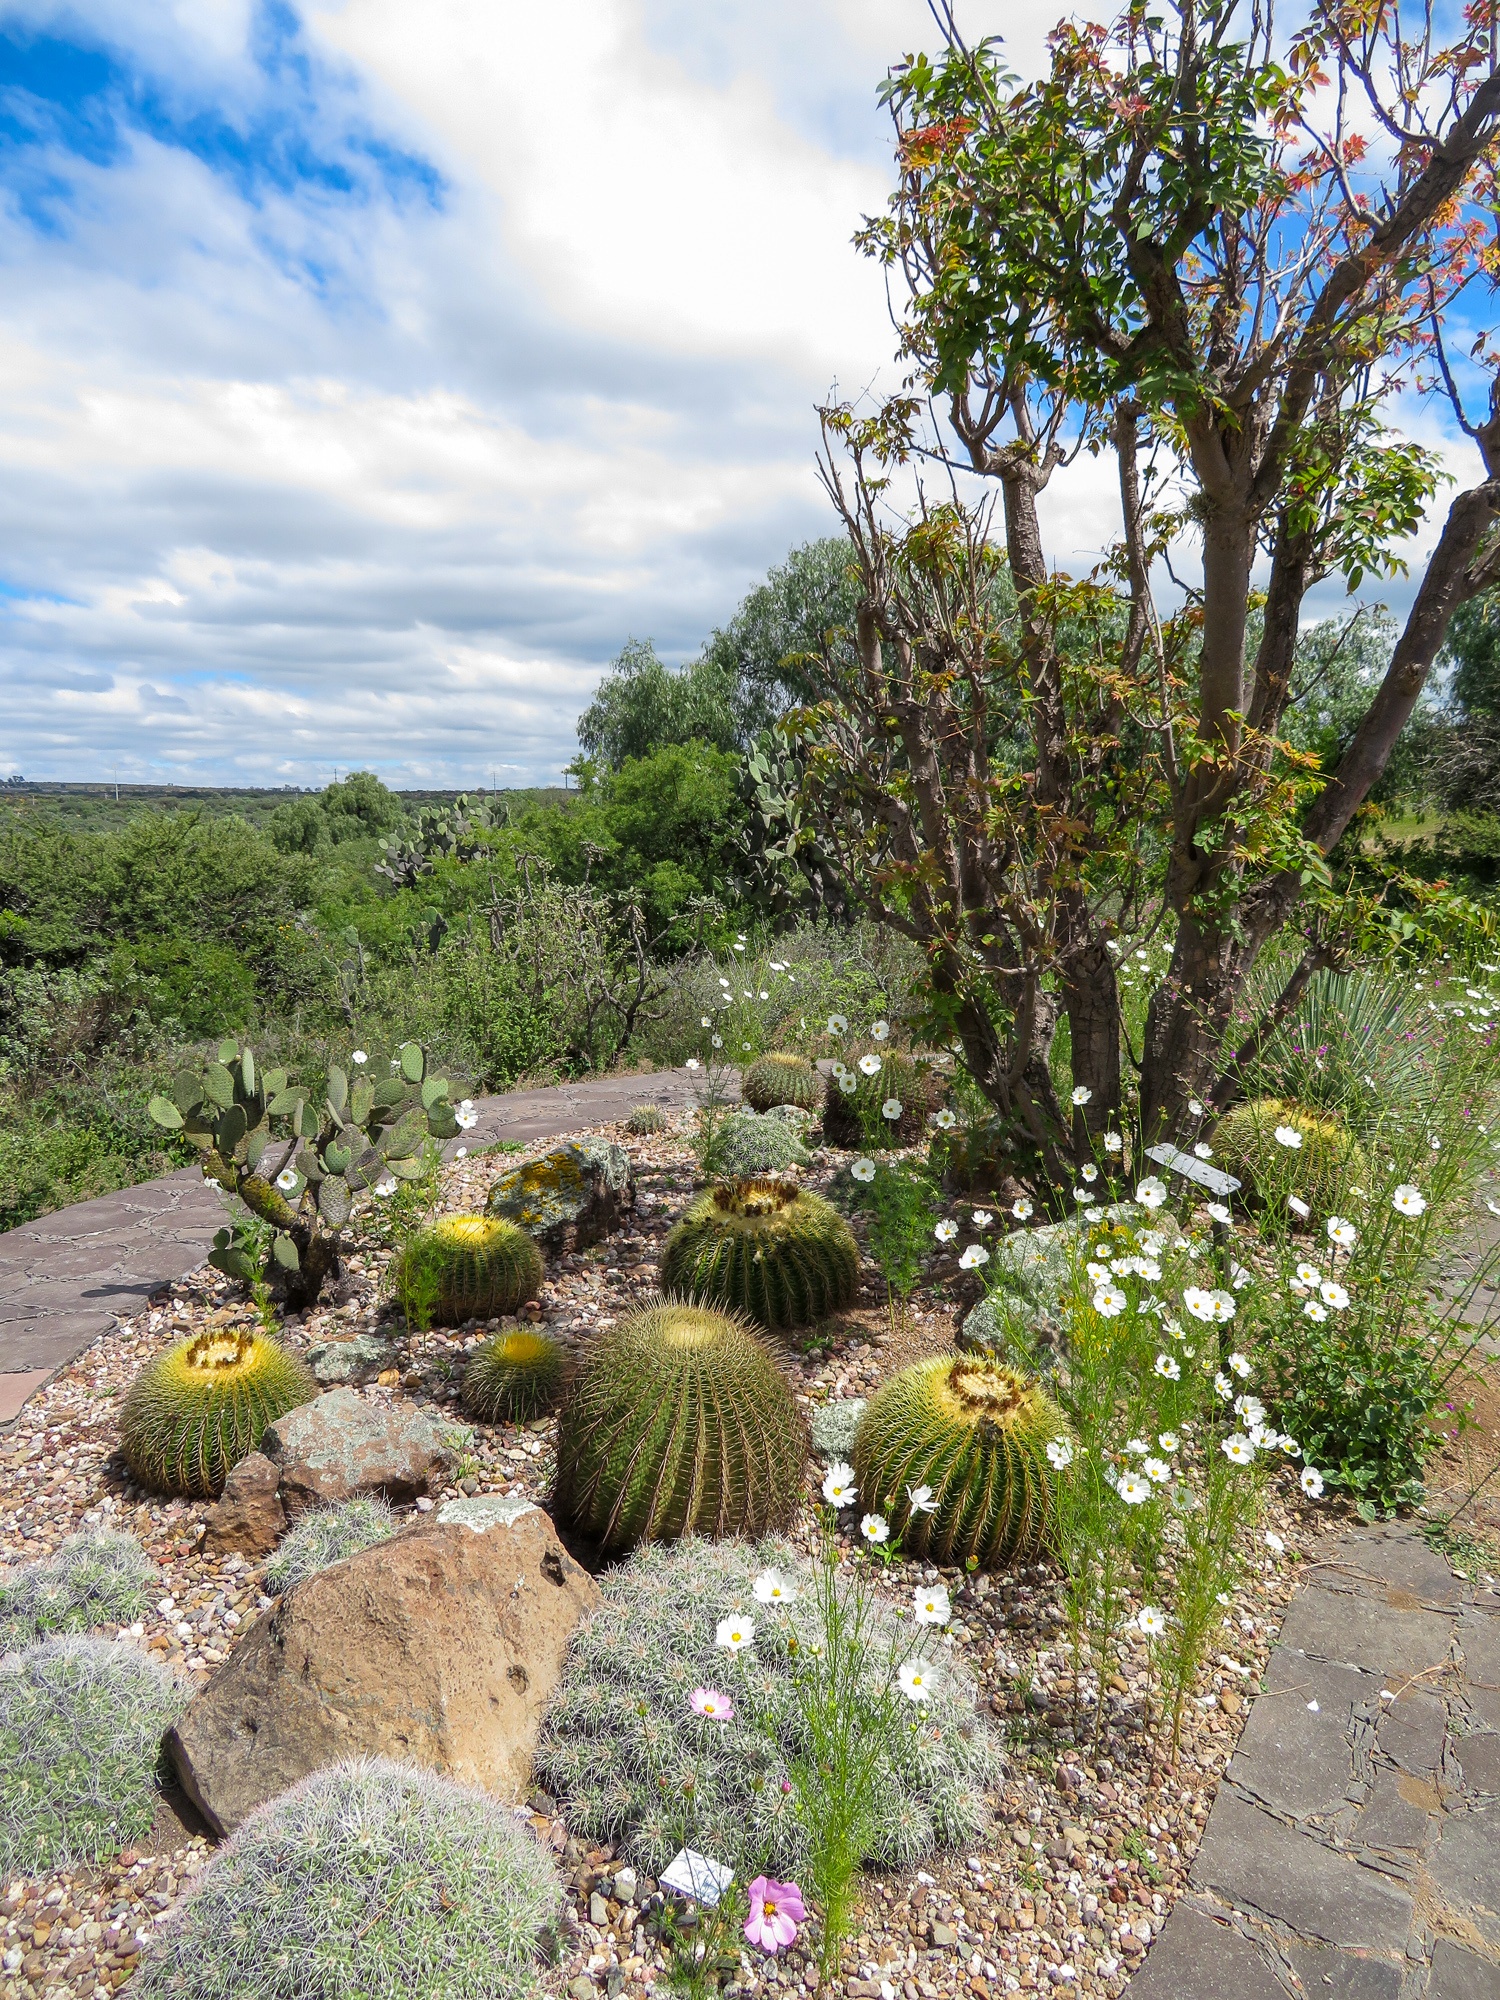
309 1165
433 1089
412 1063
247 1072
338 1089
231 1129
337 1159
218 1085
284 1252
228 1050
256 1145
164 1112
361 1101
284 1102
389 1093
441 1122
273 1082
405 1170
187 1090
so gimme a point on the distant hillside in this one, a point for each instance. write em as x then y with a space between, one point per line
102 808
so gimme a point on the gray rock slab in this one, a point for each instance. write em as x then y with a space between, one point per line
1259 1863
1479 1641
1412 1729
1458 1974
1399 1568
1465 1868
1479 1760
1399 1818
1297 1760
1344 1975
1199 1958
1340 1625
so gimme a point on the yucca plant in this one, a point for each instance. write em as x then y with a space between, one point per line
514 1376
681 1423
778 1078
1317 1168
766 1248
477 1267
195 1411
975 1433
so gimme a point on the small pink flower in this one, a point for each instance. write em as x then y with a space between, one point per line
775 1912
708 1701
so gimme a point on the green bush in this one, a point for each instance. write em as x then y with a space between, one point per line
325 1536
620 1740
81 1724
366 1881
196 1410
765 1248
99 1577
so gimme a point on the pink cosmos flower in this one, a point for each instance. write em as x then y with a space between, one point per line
775 1912
708 1701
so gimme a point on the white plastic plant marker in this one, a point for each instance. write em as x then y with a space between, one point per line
697 1876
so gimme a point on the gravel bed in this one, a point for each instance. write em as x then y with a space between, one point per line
1091 1841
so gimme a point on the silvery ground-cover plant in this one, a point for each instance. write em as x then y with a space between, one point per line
326 1535
96 1578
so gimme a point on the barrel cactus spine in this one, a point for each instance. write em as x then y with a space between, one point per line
975 1434
779 1078
766 1248
515 1376
195 1411
681 1422
479 1267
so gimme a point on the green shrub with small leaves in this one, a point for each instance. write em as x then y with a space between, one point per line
514 1376
100 1577
326 1535
195 1411
777 1079
767 1248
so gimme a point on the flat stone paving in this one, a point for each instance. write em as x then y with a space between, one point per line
66 1278
1354 1846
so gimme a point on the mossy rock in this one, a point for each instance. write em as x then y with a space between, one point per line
1319 1171
766 1248
779 1078
569 1198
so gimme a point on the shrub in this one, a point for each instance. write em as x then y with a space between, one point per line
203 1405
781 1079
81 1723
646 1119
366 1881
1319 1170
746 1146
766 1248
620 1740
479 1267
325 1536
97 1578
974 1432
855 1116
681 1423
515 1376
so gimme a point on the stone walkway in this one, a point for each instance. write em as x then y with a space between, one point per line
65 1278
1353 1850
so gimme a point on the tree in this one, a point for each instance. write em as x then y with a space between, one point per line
768 652
1180 249
641 705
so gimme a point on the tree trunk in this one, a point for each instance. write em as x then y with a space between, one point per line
1185 1026
1092 999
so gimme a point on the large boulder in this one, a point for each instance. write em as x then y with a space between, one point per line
1029 1271
341 1444
247 1518
439 1648
569 1198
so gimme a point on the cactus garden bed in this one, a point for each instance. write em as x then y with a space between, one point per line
1089 1843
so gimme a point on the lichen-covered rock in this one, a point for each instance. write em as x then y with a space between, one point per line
341 1444
351 1358
569 1198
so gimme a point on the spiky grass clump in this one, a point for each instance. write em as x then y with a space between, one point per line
366 1881
646 1119
766 1248
478 1267
745 1146
97 1578
1319 1171
326 1535
81 1724
619 1740
976 1433
515 1376
681 1423
781 1079
194 1412
854 1117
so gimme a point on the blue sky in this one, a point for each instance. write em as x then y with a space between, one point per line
370 372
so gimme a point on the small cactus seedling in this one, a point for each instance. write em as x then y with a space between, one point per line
646 1119
514 1377
681 1423
296 1162
781 1079
479 1267
975 1433
766 1248
195 1411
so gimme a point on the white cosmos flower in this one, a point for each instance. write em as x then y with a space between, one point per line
920 1500
1138 1446
359 1057
848 1082
1333 1294
1408 1200
1308 1274
931 1607
1151 1621
1314 1310
1289 1445
1288 1136
1311 1483
870 1065
1238 1450
1060 1454
1109 1300
1082 1194
1021 1208
1097 1214
1169 1440
1089 1173
718 1041
891 1109
1239 1277
945 1120
879 1030
863 1170
707 1021
839 1487
973 1257
946 1230
734 1634
913 1679
1156 1470
875 1529
1250 1408
1096 1273
1151 1193
466 1116
1199 1303
1217 1212
1240 1366
1263 1437
1298 1207
1132 1489
1081 1093
837 1025
691 1063
1113 1143
771 1587
1223 1387
286 1180
1341 1233
981 1218
1203 1152
1168 1369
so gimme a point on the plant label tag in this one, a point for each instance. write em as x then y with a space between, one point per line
697 1876
1192 1169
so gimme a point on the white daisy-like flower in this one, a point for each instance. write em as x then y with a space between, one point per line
1096 1273
1239 1277
1109 1300
1311 1483
1314 1310
973 1257
1288 1136
1408 1200
1151 1192
946 1230
1195 1107
1298 1207
1223 1387
1250 1408
1308 1274
385 1187
1274 1543
837 1025
359 1058
1060 1454
771 1587
1138 1446
879 1030
1203 1152
875 1529
461 1153
1240 1366
1113 1143
466 1116
981 1218
1081 1093
1289 1445
691 1063
931 1606
1199 1303
891 1109
286 1180
734 1634
1133 1490
1238 1450
1021 1208
839 1488
1168 1369
1082 1194
870 1065
848 1082
1341 1232
944 1120
1217 1212
718 1041
1333 1295
1156 1470
707 1021
863 1170
1151 1621
1089 1173
1152 1242
913 1679
1263 1437
1168 1440
920 1500
1093 1215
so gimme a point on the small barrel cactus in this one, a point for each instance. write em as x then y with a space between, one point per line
766 1248
975 1434
745 1145
854 1113
646 1119
1318 1167
194 1412
479 1265
680 1423
515 1376
781 1079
